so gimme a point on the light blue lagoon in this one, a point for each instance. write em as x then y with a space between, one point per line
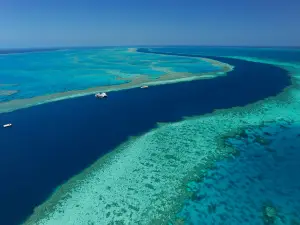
155 145
39 73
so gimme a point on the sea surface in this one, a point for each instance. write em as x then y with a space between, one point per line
281 54
50 143
37 73
263 175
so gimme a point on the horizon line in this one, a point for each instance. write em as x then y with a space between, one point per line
144 45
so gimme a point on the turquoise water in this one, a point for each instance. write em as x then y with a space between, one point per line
52 142
265 173
34 74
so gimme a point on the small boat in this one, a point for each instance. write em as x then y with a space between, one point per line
101 95
7 125
145 86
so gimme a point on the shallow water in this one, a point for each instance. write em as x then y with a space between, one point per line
41 73
50 143
264 173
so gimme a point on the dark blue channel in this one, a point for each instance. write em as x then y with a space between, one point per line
50 143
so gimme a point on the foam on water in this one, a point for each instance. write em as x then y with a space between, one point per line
145 180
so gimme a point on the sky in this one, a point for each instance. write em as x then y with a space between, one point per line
59 23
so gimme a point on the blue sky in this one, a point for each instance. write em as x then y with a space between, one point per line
50 23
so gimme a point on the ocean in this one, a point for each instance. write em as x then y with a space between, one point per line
50 143
37 73
260 185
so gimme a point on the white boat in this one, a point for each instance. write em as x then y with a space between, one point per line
101 95
145 86
7 125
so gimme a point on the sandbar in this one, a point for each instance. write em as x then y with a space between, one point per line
144 181
133 83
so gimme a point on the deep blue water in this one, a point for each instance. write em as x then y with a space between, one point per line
279 54
50 143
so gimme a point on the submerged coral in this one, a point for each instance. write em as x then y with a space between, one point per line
144 180
269 214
